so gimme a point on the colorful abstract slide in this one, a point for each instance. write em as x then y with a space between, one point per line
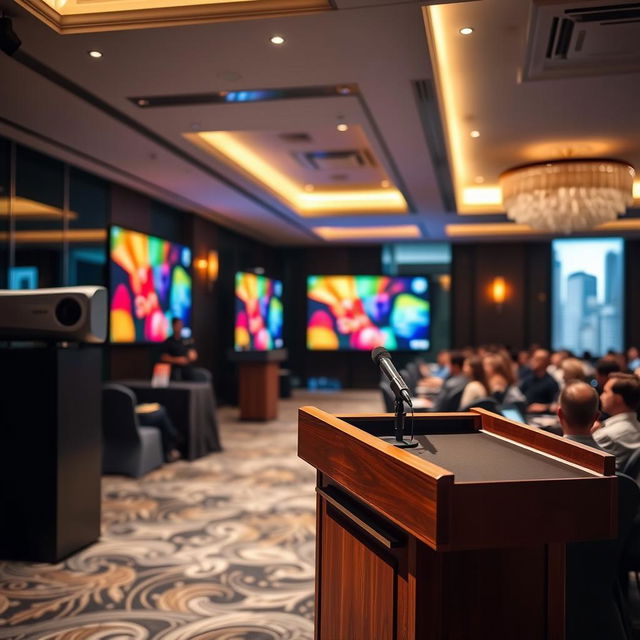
364 312
258 313
150 285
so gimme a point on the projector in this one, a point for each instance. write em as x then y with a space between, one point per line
69 314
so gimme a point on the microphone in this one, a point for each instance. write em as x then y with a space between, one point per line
399 387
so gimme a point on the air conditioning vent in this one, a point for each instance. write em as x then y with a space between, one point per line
295 137
335 161
571 39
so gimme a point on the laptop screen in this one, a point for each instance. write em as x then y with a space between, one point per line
512 413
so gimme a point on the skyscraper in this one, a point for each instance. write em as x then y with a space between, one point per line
581 287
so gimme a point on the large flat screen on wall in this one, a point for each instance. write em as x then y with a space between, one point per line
587 295
259 313
361 312
150 284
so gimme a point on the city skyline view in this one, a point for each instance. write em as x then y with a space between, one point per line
587 293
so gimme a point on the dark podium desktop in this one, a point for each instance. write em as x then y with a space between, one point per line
461 537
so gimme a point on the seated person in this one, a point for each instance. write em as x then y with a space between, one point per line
578 411
619 434
179 353
152 414
477 387
539 388
604 368
449 396
502 380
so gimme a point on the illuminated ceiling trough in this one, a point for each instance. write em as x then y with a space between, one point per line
87 16
330 172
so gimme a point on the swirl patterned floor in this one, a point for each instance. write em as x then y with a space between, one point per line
221 548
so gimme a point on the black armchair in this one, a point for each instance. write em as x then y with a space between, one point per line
128 448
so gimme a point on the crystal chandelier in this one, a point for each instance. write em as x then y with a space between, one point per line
572 194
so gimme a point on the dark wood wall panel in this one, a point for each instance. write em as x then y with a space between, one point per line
524 317
632 292
463 295
504 324
538 294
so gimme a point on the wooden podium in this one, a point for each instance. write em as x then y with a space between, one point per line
461 538
258 382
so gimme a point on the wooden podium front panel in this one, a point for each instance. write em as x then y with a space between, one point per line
258 395
356 598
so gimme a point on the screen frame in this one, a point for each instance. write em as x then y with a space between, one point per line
139 343
366 275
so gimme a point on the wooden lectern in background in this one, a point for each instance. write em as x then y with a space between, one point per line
462 538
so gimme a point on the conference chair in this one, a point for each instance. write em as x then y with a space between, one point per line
127 447
595 607
632 467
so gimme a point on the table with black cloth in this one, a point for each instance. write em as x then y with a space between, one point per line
192 409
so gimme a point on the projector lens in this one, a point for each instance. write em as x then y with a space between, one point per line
68 311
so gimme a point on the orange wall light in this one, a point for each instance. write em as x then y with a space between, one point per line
498 291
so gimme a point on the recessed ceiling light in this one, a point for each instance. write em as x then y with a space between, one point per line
385 184
276 40
466 31
474 134
479 179
308 187
95 54
342 127
142 102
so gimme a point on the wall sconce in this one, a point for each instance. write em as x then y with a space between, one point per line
208 267
499 291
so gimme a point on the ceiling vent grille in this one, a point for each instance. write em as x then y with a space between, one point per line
336 161
578 39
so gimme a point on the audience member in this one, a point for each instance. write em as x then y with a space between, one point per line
633 358
522 364
477 386
578 411
501 379
539 388
604 368
620 433
448 398
572 369
179 353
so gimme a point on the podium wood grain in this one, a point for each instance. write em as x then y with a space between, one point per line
258 390
407 551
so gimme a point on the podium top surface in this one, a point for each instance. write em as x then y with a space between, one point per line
484 457
477 480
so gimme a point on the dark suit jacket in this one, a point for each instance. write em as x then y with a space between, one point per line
449 397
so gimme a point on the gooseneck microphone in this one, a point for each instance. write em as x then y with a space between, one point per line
399 387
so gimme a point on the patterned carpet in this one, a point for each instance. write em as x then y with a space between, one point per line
221 548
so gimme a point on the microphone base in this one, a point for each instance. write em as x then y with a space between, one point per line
401 444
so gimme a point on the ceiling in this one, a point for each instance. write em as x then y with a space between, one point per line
417 89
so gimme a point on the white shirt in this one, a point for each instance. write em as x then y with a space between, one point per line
619 435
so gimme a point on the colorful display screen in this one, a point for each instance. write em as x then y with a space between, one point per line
258 313
150 285
364 312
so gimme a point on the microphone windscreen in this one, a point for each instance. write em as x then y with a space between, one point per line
379 352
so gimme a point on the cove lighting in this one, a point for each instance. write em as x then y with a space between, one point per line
368 233
304 202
